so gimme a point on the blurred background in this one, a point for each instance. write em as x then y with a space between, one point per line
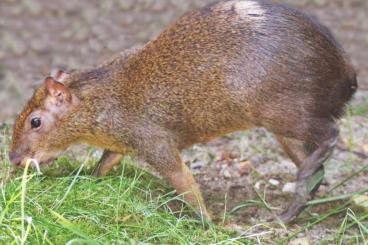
37 35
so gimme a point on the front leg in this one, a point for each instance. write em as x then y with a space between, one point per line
107 162
184 183
160 152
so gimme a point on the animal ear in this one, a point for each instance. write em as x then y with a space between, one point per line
57 91
59 75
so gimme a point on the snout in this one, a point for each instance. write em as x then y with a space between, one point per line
20 159
15 158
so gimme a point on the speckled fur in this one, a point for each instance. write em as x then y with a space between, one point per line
214 71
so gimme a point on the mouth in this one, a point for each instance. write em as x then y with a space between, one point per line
33 162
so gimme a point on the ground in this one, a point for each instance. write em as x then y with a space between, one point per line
241 175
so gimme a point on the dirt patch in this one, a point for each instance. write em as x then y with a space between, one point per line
225 188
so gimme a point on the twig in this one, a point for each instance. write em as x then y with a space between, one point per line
357 153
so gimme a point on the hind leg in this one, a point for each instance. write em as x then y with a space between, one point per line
297 150
309 157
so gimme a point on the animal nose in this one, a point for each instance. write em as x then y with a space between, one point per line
14 158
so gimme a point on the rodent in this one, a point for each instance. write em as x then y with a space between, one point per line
232 65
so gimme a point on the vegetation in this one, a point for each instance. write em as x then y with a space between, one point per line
129 207
66 205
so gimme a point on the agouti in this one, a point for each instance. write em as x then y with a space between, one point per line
229 66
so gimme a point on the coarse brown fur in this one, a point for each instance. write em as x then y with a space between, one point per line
230 66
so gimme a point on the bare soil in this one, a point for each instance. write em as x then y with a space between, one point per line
37 35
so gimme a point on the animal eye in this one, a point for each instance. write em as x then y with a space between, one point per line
36 122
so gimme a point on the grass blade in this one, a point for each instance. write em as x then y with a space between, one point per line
72 227
22 202
335 198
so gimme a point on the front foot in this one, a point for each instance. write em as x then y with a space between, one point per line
204 215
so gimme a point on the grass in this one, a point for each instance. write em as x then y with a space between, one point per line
68 206
361 109
129 208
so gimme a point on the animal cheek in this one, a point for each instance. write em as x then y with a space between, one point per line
48 122
32 140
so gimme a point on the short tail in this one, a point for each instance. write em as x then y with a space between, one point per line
344 91
353 83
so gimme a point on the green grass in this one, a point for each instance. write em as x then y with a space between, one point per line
361 109
129 208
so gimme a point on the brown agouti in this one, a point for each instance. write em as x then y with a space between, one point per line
229 66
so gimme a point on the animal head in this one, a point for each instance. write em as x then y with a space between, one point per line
37 131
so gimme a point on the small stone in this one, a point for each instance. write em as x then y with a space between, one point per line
300 241
361 202
226 174
274 182
289 187
198 164
258 185
245 167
